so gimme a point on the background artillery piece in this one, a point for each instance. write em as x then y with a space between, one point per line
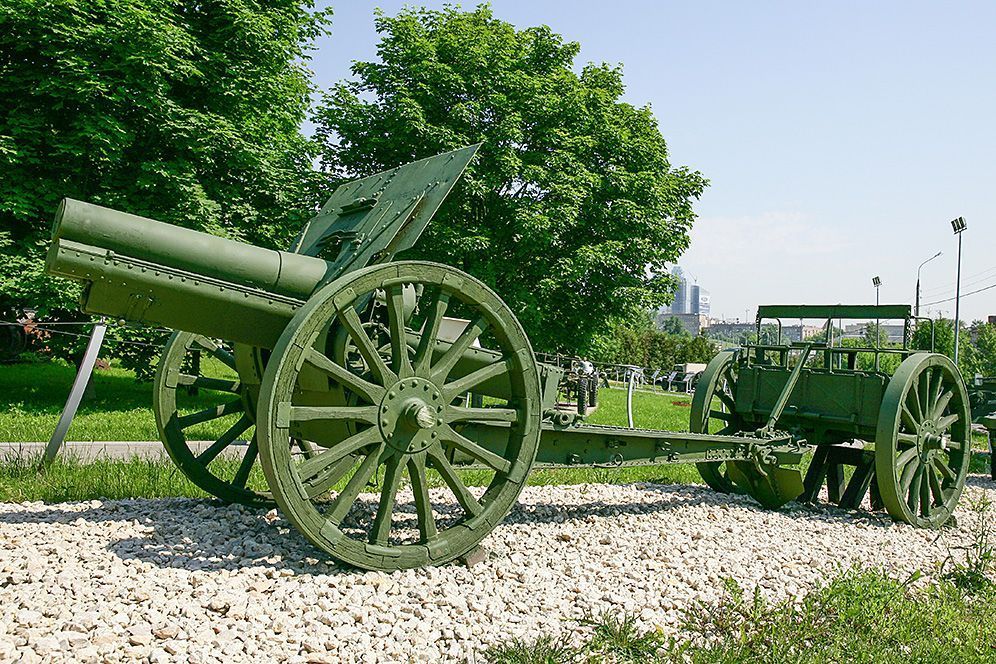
342 376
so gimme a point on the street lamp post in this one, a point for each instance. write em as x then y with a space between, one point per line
877 283
917 310
958 225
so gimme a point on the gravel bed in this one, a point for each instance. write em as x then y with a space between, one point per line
191 580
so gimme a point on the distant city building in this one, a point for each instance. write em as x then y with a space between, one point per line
893 332
688 298
800 332
699 300
680 303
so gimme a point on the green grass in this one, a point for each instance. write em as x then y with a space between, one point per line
118 408
32 396
861 616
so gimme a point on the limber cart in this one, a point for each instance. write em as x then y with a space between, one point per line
349 392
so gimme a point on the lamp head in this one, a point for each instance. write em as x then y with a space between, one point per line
958 225
876 282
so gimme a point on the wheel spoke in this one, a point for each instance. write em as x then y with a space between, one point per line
366 414
730 377
913 497
720 415
208 414
945 422
442 368
307 449
473 449
907 476
311 469
726 399
216 351
906 438
938 389
342 502
925 492
242 474
935 486
216 384
944 469
925 394
463 495
226 439
905 458
459 414
324 481
400 362
908 420
430 331
423 504
913 402
381 528
364 388
454 389
354 326
941 404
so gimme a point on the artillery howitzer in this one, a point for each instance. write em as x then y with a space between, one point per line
344 376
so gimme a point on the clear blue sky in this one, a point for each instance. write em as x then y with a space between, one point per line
840 138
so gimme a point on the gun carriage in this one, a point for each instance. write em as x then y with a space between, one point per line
346 377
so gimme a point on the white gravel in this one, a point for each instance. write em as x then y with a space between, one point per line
188 580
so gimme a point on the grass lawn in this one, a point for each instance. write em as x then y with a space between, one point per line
32 397
861 616
119 408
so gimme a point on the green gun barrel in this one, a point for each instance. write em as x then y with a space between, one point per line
143 270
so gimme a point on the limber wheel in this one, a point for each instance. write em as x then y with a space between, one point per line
923 442
716 384
220 395
408 416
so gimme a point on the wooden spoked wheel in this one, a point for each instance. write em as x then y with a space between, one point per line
923 442
407 417
713 412
221 396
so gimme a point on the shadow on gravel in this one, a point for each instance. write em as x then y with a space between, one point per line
207 535
981 482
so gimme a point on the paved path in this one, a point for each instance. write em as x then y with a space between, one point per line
87 451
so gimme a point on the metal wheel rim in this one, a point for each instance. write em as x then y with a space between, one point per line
719 373
292 484
923 442
171 425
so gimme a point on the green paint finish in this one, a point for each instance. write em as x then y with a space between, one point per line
834 311
382 370
417 421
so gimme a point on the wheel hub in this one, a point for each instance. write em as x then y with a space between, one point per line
929 439
411 415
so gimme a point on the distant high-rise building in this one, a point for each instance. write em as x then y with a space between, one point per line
700 300
681 303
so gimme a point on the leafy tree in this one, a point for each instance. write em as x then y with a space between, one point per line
943 342
672 325
645 346
985 347
573 207
185 112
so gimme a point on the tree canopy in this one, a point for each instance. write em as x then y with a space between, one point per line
573 207
185 112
